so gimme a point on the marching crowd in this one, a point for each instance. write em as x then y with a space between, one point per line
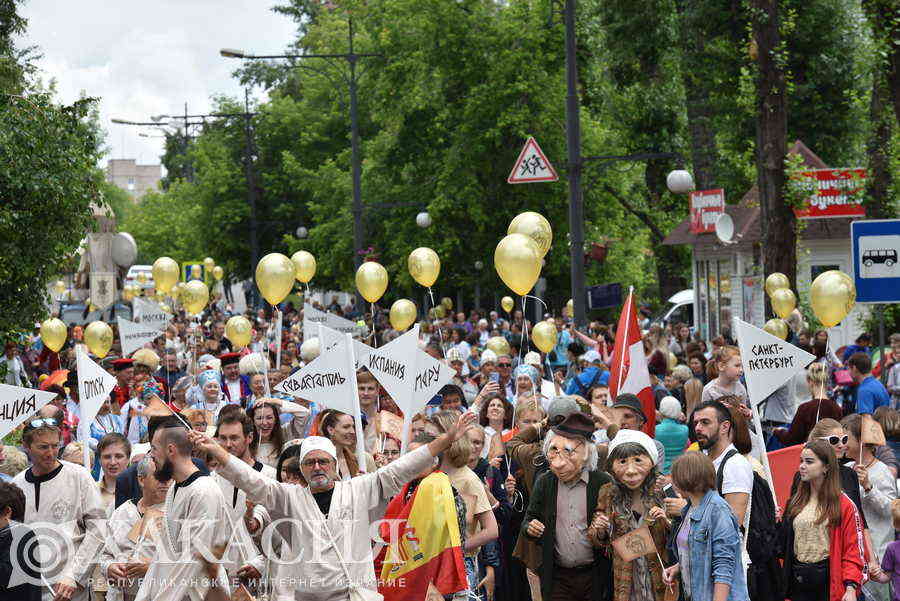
202 481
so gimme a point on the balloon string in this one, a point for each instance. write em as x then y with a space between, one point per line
535 298
266 350
524 328
374 339
440 333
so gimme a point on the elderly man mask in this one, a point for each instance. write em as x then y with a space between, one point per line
568 451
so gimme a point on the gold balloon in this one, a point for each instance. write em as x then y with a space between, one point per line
544 336
535 226
777 327
783 302
209 263
174 292
569 309
196 271
98 337
304 265
165 308
218 272
403 314
371 280
499 345
776 281
59 286
275 277
53 333
127 293
507 303
194 297
238 330
447 302
165 273
142 278
424 266
518 262
832 296
440 312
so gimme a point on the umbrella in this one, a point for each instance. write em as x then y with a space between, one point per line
57 378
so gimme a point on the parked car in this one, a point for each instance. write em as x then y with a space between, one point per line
73 314
680 310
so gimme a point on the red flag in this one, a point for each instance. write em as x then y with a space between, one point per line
628 372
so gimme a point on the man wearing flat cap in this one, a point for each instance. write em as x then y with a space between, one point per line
235 386
559 514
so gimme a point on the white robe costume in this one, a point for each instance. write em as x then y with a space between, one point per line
120 548
65 506
196 522
313 569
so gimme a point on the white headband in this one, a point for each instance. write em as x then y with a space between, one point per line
317 443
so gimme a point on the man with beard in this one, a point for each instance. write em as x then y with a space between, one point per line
330 519
713 428
235 433
235 386
197 521
559 513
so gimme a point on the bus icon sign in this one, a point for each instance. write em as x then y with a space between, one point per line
875 245
888 256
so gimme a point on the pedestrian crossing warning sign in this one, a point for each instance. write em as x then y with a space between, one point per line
532 166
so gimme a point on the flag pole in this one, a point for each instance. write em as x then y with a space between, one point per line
357 411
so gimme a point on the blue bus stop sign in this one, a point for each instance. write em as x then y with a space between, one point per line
876 270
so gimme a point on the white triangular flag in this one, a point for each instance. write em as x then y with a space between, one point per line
330 337
94 386
149 313
324 380
312 317
768 361
135 335
18 404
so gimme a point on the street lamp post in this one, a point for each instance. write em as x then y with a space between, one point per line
679 181
352 57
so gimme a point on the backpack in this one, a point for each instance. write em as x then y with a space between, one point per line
763 534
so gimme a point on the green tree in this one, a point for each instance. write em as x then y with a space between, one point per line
166 224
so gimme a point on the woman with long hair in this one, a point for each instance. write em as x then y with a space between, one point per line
821 532
340 429
495 416
271 433
629 502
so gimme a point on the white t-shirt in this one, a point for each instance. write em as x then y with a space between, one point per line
737 477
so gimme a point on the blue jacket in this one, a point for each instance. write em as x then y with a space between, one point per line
582 383
715 546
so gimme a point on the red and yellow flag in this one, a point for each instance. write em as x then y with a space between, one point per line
429 548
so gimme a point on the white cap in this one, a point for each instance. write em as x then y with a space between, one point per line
454 354
317 443
670 407
488 356
533 358
592 356
252 363
625 436
310 349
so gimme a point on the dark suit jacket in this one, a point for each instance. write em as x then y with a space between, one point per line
542 507
127 486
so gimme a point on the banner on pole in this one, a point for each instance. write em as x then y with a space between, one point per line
312 317
134 335
18 404
149 313
324 380
768 361
94 386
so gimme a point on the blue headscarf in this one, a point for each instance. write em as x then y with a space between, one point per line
531 372
205 377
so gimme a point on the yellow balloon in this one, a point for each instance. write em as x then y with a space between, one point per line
447 302
403 314
304 265
98 337
238 330
499 345
275 277
776 281
544 336
165 308
218 272
196 271
371 280
507 303
783 302
53 333
518 262
440 312
570 308
165 273
59 286
424 266
777 327
142 278
194 297
832 296
535 226
127 293
209 263
174 292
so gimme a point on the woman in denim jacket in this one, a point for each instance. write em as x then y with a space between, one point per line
706 539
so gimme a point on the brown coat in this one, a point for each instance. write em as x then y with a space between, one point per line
622 570
523 448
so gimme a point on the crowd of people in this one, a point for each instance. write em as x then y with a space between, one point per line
201 478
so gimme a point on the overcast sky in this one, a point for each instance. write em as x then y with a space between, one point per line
148 58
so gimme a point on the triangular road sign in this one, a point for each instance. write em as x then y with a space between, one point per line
768 361
532 166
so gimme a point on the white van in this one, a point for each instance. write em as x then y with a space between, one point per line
680 310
